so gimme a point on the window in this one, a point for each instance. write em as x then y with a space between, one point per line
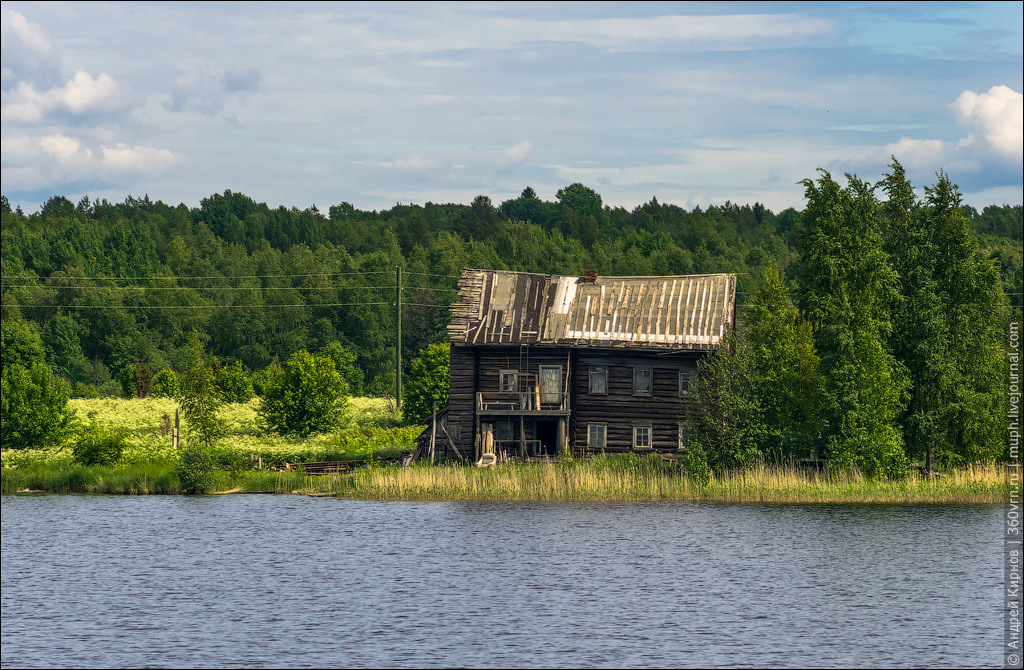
509 381
596 433
641 381
682 436
686 378
598 381
551 383
641 437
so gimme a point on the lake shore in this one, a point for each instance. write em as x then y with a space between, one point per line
611 479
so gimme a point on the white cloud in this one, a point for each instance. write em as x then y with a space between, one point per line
79 96
122 157
84 94
520 152
27 106
26 50
58 158
997 116
67 150
514 156
994 142
920 154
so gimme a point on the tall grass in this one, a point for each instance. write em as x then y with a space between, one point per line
152 478
627 479
597 479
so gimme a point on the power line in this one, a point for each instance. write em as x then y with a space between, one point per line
266 306
203 288
177 277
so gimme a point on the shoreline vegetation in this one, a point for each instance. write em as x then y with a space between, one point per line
374 433
598 479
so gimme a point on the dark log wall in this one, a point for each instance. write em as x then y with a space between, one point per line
461 394
478 369
621 409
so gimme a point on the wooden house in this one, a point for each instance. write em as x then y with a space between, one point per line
544 364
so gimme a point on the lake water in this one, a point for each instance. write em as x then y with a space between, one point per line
293 581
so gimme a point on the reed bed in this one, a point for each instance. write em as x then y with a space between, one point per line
146 479
596 480
632 479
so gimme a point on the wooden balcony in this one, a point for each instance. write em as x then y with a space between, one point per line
527 400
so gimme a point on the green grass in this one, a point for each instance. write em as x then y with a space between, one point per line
372 432
598 479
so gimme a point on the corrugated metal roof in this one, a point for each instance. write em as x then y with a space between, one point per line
680 312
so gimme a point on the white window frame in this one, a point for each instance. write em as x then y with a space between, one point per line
602 430
502 378
638 431
637 372
682 436
597 372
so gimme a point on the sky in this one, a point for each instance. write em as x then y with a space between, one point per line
301 104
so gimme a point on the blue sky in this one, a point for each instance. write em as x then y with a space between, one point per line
319 103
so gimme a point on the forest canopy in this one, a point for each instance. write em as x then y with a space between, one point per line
102 287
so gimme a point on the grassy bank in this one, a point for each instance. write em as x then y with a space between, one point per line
598 479
371 431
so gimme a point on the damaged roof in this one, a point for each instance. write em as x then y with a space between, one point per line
677 312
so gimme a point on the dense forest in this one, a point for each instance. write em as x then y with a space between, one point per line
105 286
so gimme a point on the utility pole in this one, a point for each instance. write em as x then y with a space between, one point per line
398 337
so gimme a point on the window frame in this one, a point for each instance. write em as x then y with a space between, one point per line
597 373
602 428
686 379
502 387
649 429
637 372
559 394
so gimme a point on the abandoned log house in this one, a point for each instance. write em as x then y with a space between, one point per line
542 364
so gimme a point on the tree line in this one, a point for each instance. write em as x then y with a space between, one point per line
887 347
112 292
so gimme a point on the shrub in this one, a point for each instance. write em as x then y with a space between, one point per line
33 407
194 469
306 395
427 382
83 390
96 446
261 378
136 380
234 384
695 465
166 384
